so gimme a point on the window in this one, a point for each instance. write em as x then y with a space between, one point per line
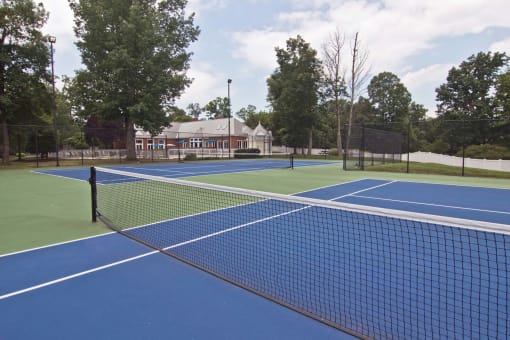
139 144
149 144
242 144
195 143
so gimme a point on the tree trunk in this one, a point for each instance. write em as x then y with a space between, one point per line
349 128
130 140
339 129
310 141
5 141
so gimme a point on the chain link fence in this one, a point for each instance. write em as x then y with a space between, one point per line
457 143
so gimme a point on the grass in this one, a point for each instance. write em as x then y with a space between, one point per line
437 169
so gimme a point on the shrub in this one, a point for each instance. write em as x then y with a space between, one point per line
190 157
486 151
246 153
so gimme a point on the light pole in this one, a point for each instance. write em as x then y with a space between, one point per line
229 81
52 40
178 148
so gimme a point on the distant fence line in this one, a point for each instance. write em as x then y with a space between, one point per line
419 157
486 164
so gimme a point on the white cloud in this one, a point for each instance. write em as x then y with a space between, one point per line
60 24
426 76
501 46
423 82
208 83
199 6
392 30
258 47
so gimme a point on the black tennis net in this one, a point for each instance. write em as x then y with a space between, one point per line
374 273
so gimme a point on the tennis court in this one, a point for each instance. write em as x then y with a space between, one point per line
366 270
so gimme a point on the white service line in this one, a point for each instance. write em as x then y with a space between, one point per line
433 205
363 190
69 277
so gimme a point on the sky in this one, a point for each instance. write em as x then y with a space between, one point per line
417 40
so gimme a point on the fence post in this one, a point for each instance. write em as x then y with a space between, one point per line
408 143
93 192
463 147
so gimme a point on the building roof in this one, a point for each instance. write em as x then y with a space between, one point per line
214 127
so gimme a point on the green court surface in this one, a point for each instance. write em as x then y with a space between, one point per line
308 178
38 210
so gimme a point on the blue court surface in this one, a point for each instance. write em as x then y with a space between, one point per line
387 280
189 169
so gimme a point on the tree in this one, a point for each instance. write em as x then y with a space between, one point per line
358 76
335 80
135 58
469 94
245 112
503 94
194 110
24 59
469 89
217 108
179 115
389 98
293 91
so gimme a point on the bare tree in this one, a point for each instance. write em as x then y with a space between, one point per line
358 77
335 77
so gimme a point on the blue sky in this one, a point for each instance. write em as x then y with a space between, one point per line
419 41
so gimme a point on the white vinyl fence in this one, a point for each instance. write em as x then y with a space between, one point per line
487 164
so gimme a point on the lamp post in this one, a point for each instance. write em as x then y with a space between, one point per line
52 40
178 148
229 81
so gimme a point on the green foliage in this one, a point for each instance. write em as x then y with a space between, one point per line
135 58
253 118
389 98
503 93
194 110
246 153
190 157
179 115
470 94
76 141
41 140
293 91
24 60
469 89
486 151
217 108
245 112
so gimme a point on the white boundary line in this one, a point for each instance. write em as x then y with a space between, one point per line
57 244
134 258
69 277
59 176
433 204
330 186
363 190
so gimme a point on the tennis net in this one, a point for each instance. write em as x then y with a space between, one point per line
372 272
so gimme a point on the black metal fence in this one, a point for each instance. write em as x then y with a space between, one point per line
459 143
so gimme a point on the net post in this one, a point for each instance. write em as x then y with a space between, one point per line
292 161
93 192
